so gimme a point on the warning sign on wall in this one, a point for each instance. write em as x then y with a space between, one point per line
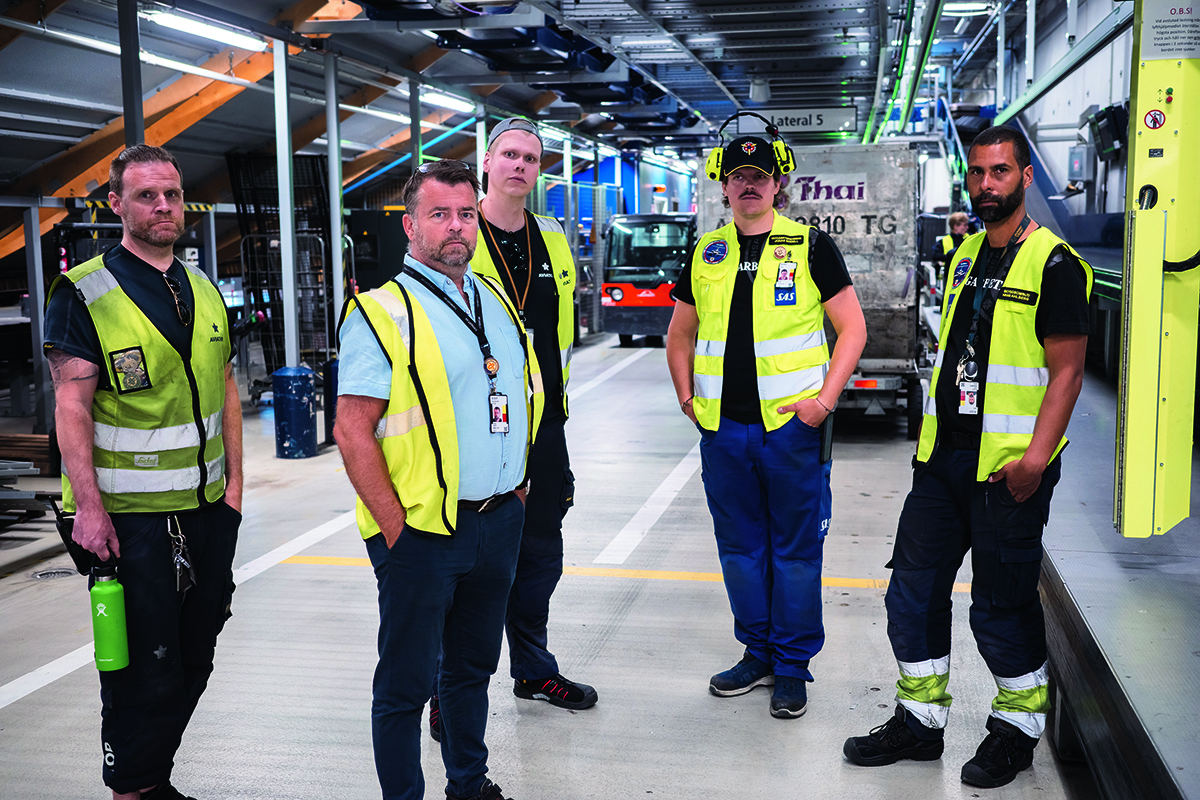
1170 29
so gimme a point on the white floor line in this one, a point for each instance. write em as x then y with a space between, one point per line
636 529
608 373
30 682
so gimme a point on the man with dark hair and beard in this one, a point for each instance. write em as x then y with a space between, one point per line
751 368
150 426
1008 372
440 398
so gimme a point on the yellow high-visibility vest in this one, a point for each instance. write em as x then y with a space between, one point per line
790 352
157 445
417 432
564 284
1017 374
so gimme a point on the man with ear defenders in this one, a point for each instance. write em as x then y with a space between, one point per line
748 357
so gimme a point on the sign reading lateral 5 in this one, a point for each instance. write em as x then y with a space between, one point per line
802 120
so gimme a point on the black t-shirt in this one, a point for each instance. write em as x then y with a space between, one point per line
536 297
739 387
69 326
1062 311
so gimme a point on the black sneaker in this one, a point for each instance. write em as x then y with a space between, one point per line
891 742
1005 752
742 677
489 791
435 719
557 691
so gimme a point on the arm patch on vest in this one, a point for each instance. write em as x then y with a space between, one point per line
1022 296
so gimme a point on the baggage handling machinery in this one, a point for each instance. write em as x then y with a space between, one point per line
865 197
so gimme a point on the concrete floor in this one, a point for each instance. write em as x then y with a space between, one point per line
641 614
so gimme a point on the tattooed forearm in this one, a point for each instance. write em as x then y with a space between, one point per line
65 368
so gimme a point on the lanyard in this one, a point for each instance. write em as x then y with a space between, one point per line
500 252
490 364
1009 255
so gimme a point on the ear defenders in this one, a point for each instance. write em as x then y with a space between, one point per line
785 160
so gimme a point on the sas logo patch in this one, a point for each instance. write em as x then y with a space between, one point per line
961 269
716 251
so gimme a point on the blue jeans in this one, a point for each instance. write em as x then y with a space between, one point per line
446 592
770 501
172 640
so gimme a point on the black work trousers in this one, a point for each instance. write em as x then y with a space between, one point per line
172 640
540 563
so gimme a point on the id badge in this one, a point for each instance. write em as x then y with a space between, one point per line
786 277
968 396
498 405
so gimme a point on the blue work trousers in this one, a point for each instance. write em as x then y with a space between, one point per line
947 513
172 640
770 501
448 593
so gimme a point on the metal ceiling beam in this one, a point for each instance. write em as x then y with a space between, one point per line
1096 39
131 72
66 123
526 18
56 100
617 73
691 26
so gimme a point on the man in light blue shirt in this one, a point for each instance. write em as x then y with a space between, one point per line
443 578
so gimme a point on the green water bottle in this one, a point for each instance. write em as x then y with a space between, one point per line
108 619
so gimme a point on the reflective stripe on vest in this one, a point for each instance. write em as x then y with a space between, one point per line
149 481
135 440
1017 374
400 424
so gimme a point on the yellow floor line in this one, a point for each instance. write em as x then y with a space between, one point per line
645 574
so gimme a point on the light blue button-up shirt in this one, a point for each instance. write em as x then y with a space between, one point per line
489 463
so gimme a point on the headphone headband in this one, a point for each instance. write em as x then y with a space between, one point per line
785 160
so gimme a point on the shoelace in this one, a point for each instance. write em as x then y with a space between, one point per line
1000 747
890 731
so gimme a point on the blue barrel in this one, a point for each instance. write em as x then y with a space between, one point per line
295 392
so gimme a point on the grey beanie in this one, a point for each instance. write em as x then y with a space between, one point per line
515 124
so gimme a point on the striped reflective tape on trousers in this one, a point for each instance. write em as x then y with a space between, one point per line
931 715
792 383
924 669
1017 376
708 386
146 481
789 344
1009 423
1030 723
1023 683
157 440
711 348
96 285
401 423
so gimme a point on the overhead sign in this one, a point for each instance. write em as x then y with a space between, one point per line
802 120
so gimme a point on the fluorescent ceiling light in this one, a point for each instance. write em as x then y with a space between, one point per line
448 102
553 134
965 9
653 41
609 152
402 119
204 30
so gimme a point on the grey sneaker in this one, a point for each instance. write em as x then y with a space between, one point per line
742 677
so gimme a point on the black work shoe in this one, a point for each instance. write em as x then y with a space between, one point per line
892 741
789 698
557 691
489 791
742 677
1005 752
165 791
435 719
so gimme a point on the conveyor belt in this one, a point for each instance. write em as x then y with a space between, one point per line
1123 623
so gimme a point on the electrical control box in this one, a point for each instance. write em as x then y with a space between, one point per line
1081 163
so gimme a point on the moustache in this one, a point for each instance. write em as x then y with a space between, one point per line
749 193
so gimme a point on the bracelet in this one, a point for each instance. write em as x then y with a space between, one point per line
828 410
683 406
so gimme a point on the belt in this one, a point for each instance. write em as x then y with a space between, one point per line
483 506
960 441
